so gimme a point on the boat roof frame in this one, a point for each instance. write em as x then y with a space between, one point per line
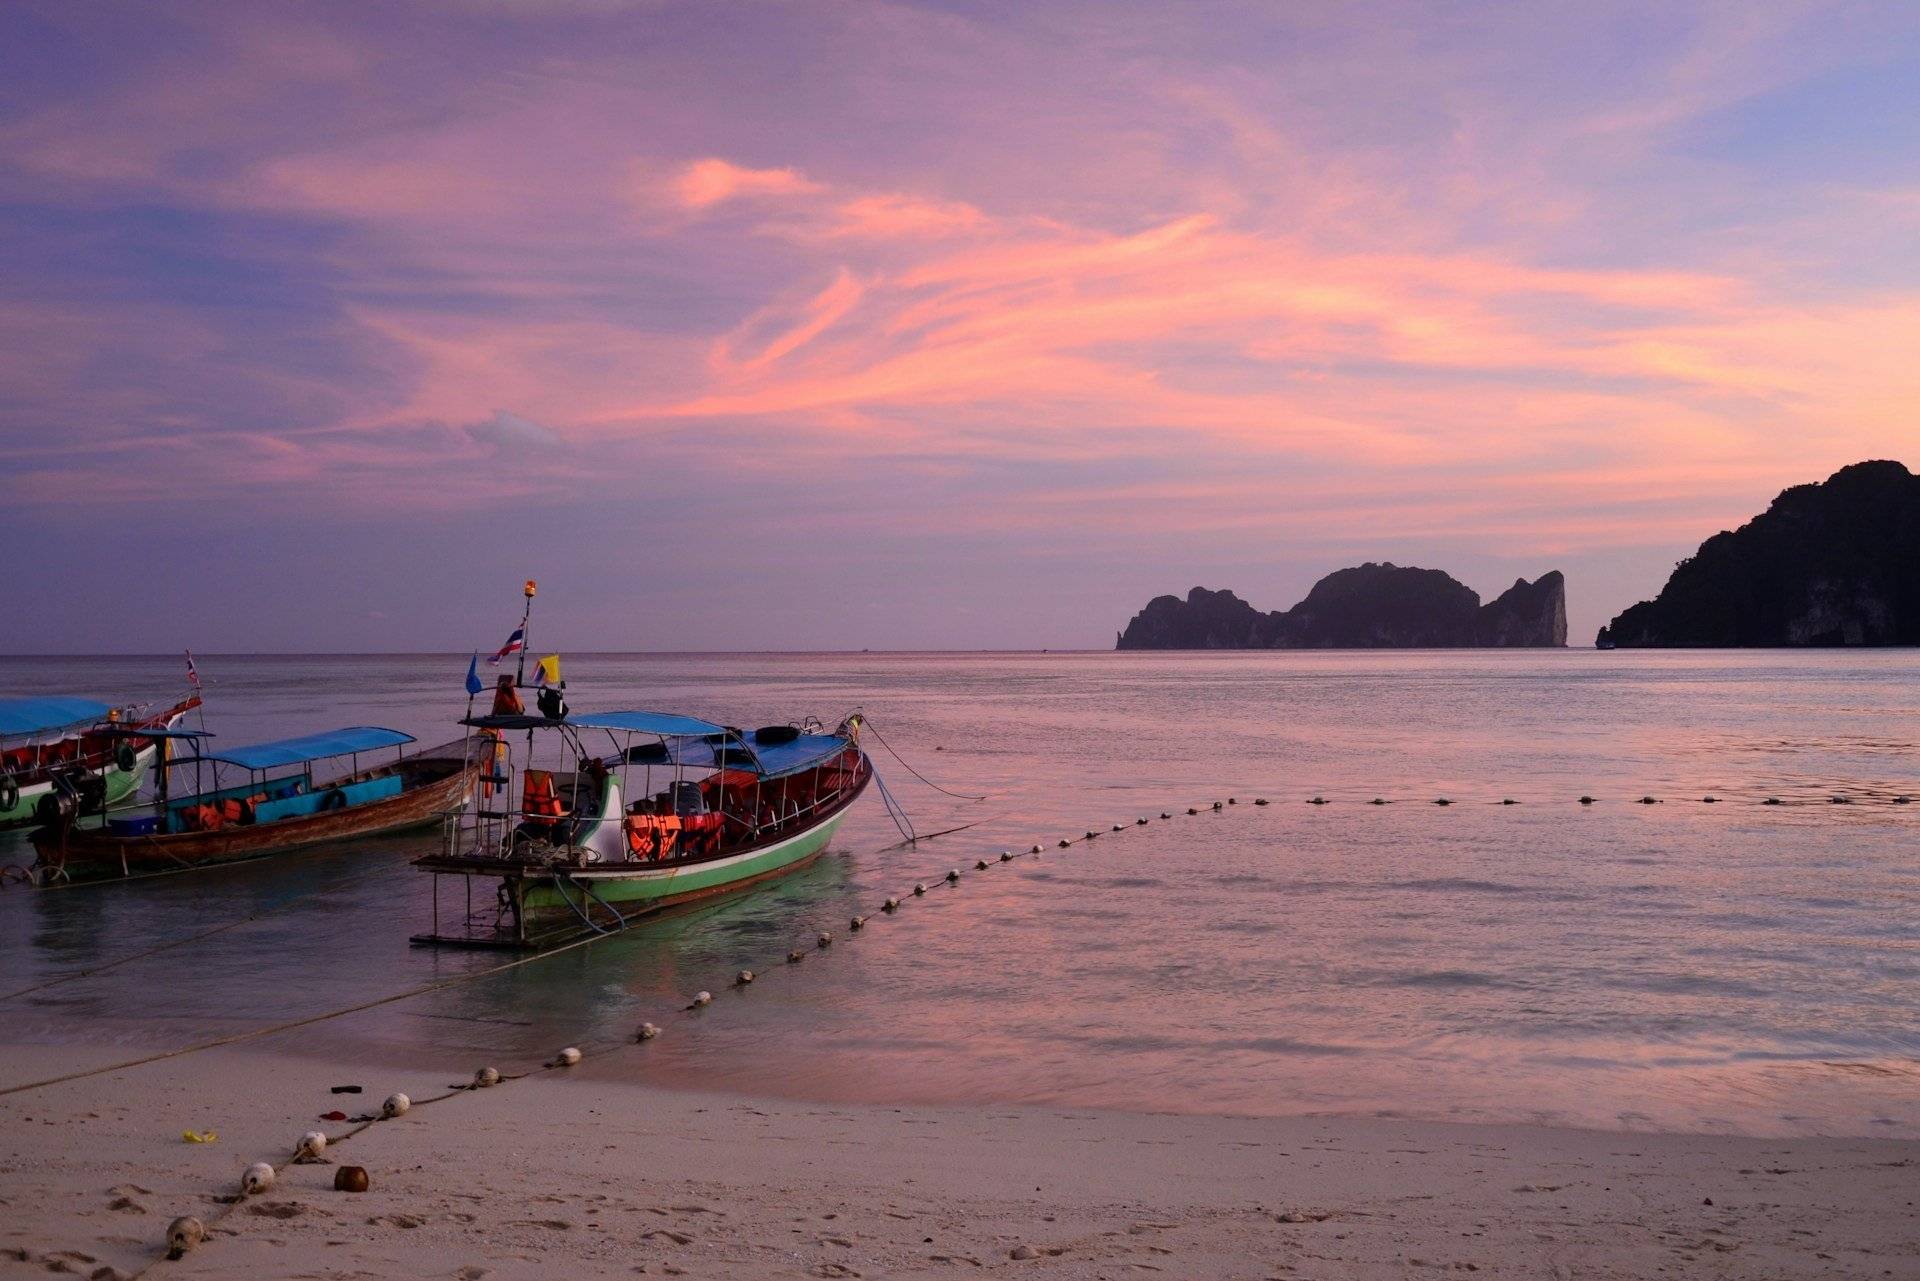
303 749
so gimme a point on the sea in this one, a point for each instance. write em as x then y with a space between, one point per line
1677 965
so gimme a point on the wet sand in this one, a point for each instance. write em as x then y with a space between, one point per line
564 1174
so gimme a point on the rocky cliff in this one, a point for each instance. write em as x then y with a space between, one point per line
1836 563
1367 607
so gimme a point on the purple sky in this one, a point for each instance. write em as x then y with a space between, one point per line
935 326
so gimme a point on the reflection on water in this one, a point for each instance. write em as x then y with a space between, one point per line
1680 965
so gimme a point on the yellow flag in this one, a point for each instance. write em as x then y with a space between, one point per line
547 671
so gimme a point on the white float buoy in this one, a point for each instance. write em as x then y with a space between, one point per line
825 939
257 1179
1006 856
953 876
891 905
396 1105
701 1000
796 956
183 1234
647 1032
919 888
743 978
980 865
486 1077
1034 850
857 923
308 1150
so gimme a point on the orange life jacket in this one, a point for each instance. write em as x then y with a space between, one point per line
540 802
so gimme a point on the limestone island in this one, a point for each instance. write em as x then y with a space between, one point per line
1834 563
1371 606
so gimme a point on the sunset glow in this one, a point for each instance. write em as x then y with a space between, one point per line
932 326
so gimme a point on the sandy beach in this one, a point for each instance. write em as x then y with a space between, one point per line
563 1174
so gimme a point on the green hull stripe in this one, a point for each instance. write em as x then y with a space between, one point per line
653 887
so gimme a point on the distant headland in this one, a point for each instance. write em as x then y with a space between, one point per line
1371 606
1835 563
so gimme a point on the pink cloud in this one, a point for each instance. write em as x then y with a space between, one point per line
713 181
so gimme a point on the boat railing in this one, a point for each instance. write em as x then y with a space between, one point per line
501 831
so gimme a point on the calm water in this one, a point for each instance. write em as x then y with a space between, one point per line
1677 965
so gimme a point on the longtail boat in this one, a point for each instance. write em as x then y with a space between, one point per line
278 802
650 810
56 743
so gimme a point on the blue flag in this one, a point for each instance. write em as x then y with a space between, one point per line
473 677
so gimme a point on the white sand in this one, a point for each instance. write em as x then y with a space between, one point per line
565 1175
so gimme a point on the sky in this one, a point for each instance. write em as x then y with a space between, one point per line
947 325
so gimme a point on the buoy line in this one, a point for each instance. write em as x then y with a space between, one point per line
324 1016
260 1175
185 1233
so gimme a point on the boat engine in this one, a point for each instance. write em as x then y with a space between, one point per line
73 793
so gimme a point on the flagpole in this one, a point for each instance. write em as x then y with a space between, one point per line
526 642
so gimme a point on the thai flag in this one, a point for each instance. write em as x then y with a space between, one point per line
193 673
515 643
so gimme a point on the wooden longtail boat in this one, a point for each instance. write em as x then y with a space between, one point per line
278 805
77 745
657 810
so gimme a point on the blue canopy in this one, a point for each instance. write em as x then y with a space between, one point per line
47 712
802 753
309 747
663 723
769 760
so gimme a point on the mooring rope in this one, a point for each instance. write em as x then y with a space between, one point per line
867 722
104 966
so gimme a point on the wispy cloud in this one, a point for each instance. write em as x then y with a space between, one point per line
1355 263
